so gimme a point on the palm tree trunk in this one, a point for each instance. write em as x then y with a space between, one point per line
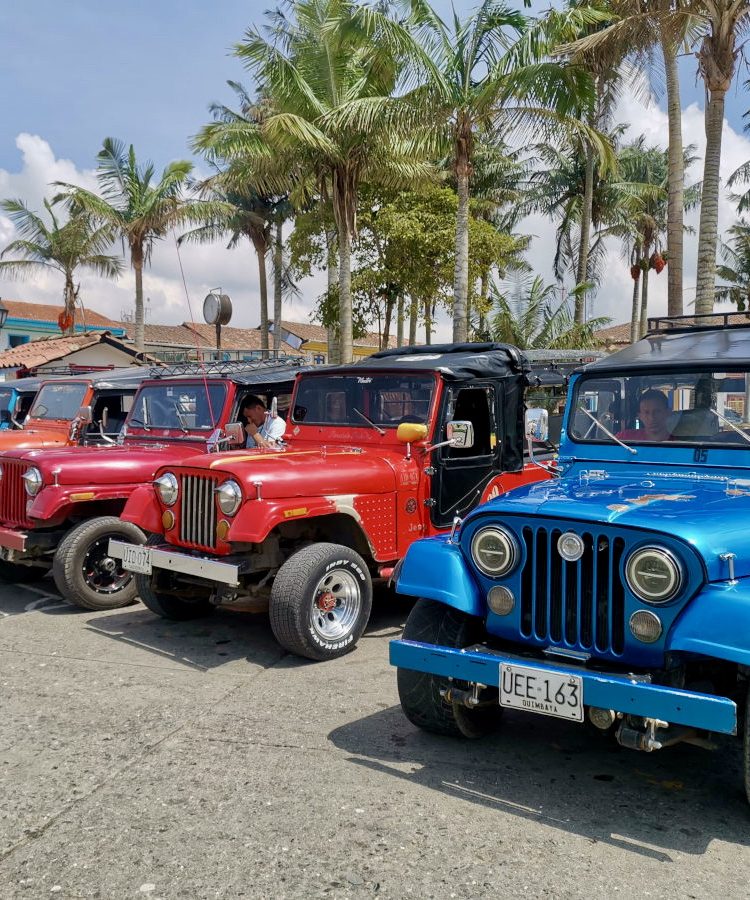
676 182
484 288
427 322
585 241
334 345
635 315
137 259
461 274
70 304
413 316
644 306
400 321
709 221
260 252
390 302
278 263
345 293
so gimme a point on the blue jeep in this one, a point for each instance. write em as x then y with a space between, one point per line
619 591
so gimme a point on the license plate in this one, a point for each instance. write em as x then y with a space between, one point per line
137 559
541 691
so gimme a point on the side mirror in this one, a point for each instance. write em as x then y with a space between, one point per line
410 432
274 410
537 425
460 434
105 417
84 415
234 434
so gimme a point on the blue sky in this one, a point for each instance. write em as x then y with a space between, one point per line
74 72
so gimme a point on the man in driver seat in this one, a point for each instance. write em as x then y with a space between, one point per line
262 429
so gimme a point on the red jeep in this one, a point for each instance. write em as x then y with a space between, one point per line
59 507
379 453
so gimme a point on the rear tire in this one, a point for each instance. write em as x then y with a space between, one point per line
84 572
434 623
321 600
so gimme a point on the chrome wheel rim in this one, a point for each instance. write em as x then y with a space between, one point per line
101 572
336 605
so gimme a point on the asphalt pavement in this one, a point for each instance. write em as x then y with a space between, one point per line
143 758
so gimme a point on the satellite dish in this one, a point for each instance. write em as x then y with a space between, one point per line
217 309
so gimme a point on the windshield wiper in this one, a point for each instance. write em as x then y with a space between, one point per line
180 417
730 424
369 421
134 420
606 430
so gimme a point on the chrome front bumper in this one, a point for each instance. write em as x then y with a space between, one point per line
183 563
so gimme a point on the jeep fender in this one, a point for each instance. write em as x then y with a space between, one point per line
57 502
143 510
715 623
257 518
436 570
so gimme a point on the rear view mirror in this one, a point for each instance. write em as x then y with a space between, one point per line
84 415
460 434
234 432
537 425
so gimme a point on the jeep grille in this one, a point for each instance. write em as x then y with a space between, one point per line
13 496
198 511
577 604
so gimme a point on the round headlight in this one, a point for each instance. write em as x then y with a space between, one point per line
229 497
168 488
653 574
645 626
494 551
32 480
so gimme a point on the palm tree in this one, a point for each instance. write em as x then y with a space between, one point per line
735 270
532 320
77 243
479 78
713 27
327 73
137 208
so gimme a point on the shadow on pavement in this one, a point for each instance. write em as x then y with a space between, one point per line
564 776
42 596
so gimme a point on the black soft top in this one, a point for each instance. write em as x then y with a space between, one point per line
699 348
455 362
271 375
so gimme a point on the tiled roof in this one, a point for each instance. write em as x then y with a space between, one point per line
614 334
234 338
310 332
48 312
168 335
46 350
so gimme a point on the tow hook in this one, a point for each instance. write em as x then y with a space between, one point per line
469 698
635 739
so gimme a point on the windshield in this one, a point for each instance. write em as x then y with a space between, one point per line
687 407
361 401
59 401
180 407
5 395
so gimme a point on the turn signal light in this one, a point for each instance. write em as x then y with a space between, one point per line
167 519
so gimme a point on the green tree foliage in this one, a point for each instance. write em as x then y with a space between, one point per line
734 271
64 247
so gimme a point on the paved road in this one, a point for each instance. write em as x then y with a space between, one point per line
140 758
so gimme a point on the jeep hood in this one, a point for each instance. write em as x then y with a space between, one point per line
105 465
710 512
31 438
306 472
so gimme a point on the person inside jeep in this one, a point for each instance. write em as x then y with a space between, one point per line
653 412
262 430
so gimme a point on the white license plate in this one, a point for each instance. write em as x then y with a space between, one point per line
541 691
137 559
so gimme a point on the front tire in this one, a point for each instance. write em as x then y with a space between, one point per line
420 693
84 572
152 591
320 602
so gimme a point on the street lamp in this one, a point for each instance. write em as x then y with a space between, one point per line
3 313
